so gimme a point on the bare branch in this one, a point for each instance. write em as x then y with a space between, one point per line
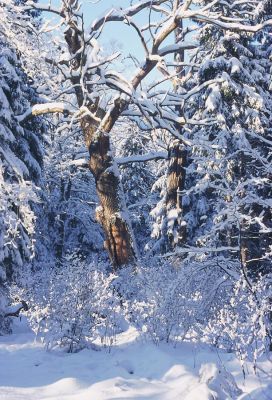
140 35
30 5
21 307
116 14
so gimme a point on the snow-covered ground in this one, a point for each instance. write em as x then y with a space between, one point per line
133 369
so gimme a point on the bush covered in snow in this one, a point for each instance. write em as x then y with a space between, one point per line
75 305
197 302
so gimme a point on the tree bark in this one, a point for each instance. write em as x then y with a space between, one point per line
175 185
176 170
111 213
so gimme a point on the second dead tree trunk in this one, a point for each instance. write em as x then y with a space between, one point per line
176 173
175 186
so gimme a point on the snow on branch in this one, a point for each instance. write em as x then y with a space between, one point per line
30 5
233 26
142 157
201 250
81 162
119 14
47 108
177 47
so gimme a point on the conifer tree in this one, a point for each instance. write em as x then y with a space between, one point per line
228 191
21 160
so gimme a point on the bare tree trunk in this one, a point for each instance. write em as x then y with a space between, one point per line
175 185
111 213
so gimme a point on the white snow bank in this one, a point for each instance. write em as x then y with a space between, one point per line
133 369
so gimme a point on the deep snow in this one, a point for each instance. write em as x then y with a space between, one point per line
133 369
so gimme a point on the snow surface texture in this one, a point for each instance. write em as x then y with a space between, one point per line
132 369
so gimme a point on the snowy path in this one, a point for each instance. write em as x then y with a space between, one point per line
132 370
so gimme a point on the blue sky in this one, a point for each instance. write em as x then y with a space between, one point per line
124 37
114 31
117 35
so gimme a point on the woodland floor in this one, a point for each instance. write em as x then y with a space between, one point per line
133 369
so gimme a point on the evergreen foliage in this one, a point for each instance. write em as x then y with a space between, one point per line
21 161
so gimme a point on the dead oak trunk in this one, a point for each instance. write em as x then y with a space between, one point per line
111 213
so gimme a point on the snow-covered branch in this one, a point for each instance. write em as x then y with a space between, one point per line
176 48
122 14
47 108
30 5
232 26
142 157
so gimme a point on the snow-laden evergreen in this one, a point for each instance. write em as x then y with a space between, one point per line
21 159
228 194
